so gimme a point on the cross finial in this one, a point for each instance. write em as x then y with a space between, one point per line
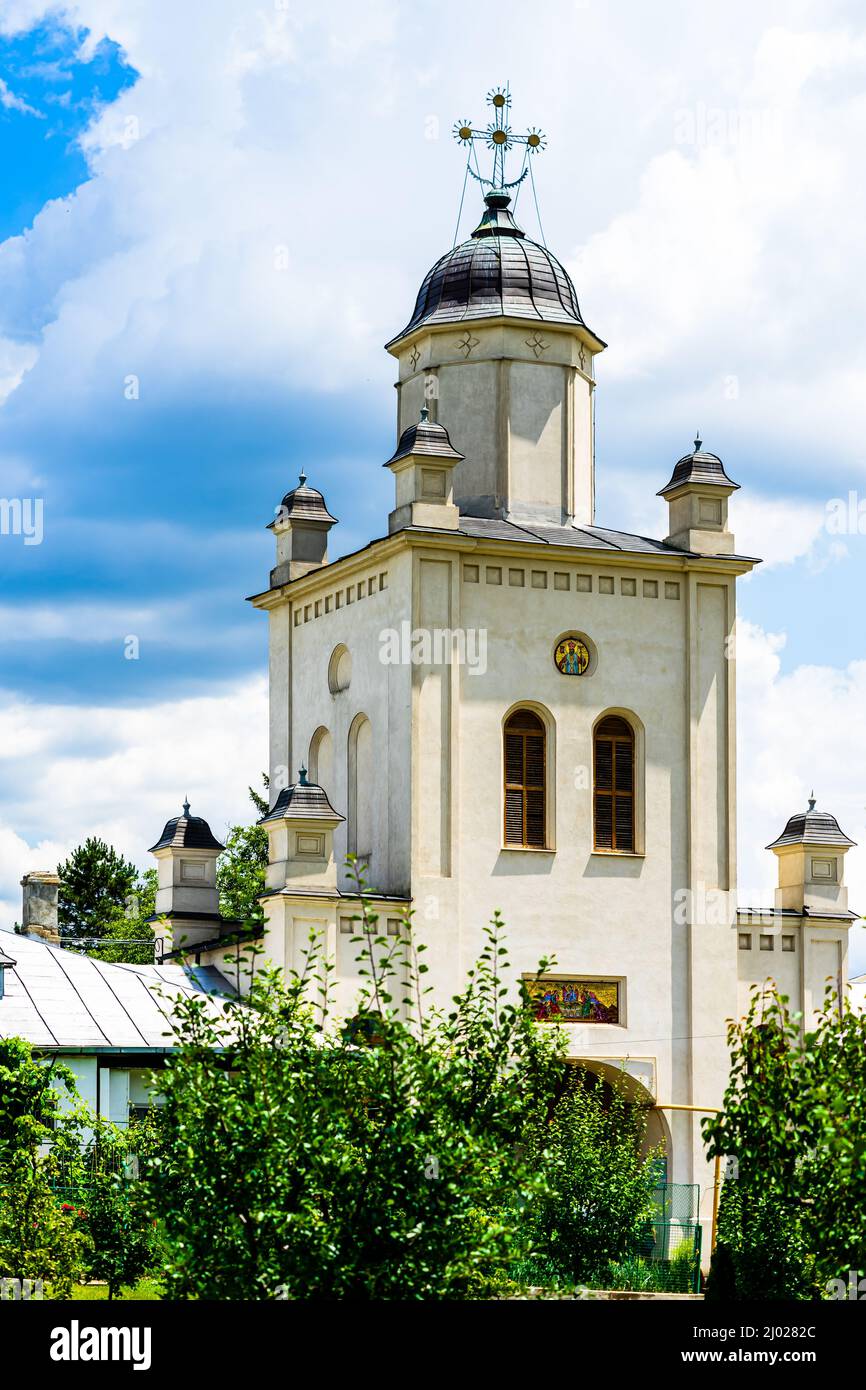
812 800
302 777
698 441
302 479
186 805
500 138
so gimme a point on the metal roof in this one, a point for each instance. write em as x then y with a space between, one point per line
498 272
812 828
585 537
187 832
304 800
698 467
305 504
59 999
426 437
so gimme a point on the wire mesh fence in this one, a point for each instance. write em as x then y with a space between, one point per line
667 1254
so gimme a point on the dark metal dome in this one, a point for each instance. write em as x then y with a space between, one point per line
700 466
187 832
497 272
812 828
305 504
302 800
426 437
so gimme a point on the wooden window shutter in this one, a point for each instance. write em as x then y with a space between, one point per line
524 765
613 790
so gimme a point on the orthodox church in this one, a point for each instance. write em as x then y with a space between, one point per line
498 704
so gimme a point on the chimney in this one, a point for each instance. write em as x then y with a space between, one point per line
39 905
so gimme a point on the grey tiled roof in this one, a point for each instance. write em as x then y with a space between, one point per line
187 832
305 800
584 537
698 467
60 999
747 914
812 828
497 271
305 504
425 437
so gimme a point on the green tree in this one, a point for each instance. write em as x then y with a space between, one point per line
128 925
241 869
31 1097
375 1161
95 882
40 1138
597 1200
793 1216
114 1212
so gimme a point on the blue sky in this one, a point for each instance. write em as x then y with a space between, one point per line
706 195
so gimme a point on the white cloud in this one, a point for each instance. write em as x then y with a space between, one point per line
797 732
10 102
727 286
778 530
58 788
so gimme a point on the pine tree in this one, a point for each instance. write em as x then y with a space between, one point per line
95 882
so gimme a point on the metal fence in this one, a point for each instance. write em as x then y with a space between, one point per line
667 1255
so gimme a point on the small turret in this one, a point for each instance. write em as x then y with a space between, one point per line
697 497
423 465
186 854
811 853
300 829
301 527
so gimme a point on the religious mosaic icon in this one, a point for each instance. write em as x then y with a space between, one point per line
571 656
574 1001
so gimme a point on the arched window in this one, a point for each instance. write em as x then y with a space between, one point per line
361 787
525 772
321 760
614 786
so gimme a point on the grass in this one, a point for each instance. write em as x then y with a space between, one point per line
145 1291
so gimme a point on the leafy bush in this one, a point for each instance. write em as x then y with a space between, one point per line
596 1200
794 1119
121 1232
38 1240
372 1162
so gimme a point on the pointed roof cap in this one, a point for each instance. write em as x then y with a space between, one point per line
303 504
186 832
304 800
812 827
699 466
426 437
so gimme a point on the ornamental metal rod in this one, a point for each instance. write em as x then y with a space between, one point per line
717 1168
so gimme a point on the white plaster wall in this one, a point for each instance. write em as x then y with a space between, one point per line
377 690
537 394
516 399
599 914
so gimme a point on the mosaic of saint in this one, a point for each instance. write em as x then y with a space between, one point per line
571 656
575 1001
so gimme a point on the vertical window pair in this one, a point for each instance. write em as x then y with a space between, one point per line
525 772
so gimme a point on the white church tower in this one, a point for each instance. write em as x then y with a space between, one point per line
503 705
